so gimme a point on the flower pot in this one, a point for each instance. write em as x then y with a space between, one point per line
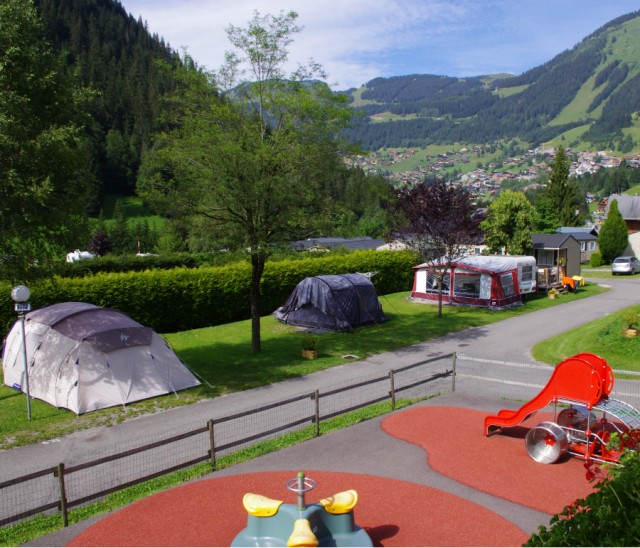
553 295
309 354
629 333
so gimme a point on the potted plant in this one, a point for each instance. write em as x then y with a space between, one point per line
310 342
630 318
553 293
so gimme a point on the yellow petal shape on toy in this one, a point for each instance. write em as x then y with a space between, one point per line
340 503
260 506
302 534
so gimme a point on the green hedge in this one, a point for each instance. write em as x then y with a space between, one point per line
133 263
188 298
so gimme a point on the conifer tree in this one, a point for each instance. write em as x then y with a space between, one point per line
613 238
563 192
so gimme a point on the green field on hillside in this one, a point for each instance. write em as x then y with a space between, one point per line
134 210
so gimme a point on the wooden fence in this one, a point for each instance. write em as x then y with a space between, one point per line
62 472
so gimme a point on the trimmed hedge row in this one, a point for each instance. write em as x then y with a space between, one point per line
183 298
133 263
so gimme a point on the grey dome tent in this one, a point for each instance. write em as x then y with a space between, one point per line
83 357
333 302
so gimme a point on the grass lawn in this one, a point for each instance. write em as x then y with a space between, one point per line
602 337
605 272
221 355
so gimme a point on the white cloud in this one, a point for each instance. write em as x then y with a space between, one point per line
357 40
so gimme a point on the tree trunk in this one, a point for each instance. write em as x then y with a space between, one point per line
440 296
257 268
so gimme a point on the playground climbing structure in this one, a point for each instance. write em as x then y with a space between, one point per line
585 416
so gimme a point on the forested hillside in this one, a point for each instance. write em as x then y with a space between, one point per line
593 88
115 55
601 72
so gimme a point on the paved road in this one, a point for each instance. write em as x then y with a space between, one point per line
508 340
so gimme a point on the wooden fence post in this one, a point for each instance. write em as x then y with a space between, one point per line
392 392
59 473
212 444
454 359
316 397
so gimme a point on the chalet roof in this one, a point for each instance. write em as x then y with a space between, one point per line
629 206
551 241
580 234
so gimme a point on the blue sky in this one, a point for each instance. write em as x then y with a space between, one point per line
357 40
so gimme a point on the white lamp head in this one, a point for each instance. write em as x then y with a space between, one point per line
20 293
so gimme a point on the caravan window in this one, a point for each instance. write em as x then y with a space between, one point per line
432 283
527 273
466 284
506 281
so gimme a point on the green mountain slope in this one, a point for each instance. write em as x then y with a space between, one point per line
587 96
116 56
590 92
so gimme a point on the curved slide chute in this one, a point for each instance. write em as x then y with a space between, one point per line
584 379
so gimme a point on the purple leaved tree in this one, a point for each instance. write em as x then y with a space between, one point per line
438 221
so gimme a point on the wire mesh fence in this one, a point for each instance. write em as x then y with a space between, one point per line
62 487
523 381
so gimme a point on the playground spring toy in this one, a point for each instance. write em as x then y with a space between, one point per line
583 429
329 522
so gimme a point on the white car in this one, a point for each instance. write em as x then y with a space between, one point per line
625 265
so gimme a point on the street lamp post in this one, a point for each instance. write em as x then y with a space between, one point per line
20 295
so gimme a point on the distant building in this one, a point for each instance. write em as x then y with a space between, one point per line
586 237
557 255
321 243
629 207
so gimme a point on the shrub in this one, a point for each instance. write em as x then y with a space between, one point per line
608 517
630 318
596 259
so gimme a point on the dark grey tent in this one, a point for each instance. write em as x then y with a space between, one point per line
333 302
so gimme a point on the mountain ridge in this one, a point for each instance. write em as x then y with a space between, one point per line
116 55
593 85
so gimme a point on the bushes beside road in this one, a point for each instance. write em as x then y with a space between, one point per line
188 298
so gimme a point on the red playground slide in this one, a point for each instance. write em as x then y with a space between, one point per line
583 379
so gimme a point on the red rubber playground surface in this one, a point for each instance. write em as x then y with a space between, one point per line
393 512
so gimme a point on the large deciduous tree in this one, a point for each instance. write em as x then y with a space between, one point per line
614 237
43 177
249 149
438 221
509 224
